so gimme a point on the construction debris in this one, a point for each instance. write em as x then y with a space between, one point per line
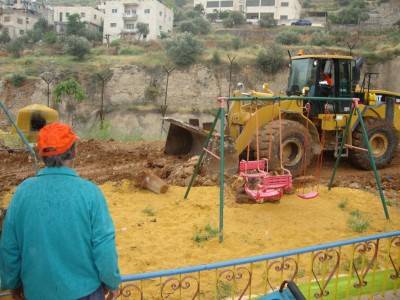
148 180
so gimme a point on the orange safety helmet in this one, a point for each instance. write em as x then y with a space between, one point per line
55 139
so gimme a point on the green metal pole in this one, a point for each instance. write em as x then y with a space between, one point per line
21 135
344 137
372 161
221 169
197 168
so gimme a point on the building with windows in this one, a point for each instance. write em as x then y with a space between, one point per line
255 9
18 16
121 19
93 17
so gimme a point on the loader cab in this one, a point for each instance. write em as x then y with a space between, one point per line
322 76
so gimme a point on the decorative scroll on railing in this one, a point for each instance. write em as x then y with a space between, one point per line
341 270
348 269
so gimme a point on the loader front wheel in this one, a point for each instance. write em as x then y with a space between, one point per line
382 139
296 146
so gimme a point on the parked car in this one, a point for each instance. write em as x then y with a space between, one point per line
301 22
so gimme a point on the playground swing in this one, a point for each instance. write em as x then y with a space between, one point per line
270 187
254 172
315 191
281 181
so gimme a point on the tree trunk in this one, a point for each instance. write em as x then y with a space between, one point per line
102 106
148 180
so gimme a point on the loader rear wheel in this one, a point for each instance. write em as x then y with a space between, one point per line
296 145
383 140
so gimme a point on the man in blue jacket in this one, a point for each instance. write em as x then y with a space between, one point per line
58 239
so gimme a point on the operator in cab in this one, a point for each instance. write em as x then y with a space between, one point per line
326 79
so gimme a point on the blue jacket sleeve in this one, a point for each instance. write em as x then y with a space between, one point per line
10 255
103 242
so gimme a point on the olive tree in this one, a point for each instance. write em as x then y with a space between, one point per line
70 92
184 49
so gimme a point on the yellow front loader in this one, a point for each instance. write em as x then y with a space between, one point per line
328 76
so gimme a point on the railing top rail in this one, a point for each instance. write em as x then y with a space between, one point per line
290 98
254 259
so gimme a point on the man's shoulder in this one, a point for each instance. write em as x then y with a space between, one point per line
88 184
33 181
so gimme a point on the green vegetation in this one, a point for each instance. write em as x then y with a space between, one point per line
232 19
149 211
193 41
225 290
357 221
267 21
354 12
17 80
108 132
184 50
271 60
77 46
205 234
131 51
288 37
343 204
16 47
4 37
321 38
216 58
69 88
152 91
195 26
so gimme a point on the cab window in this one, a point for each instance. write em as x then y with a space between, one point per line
344 87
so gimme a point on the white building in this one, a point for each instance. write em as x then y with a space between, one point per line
255 9
121 18
91 16
19 16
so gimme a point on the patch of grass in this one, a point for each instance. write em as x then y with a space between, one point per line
149 211
224 290
205 234
358 222
343 204
131 51
108 133
17 80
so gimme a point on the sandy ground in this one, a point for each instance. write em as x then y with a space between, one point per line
153 226
158 231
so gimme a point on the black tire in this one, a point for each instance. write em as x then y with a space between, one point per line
296 140
383 140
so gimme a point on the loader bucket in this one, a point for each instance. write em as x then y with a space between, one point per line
184 138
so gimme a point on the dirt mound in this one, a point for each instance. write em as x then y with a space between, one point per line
101 161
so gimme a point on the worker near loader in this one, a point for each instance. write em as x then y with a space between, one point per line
58 239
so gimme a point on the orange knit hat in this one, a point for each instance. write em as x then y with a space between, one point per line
55 139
